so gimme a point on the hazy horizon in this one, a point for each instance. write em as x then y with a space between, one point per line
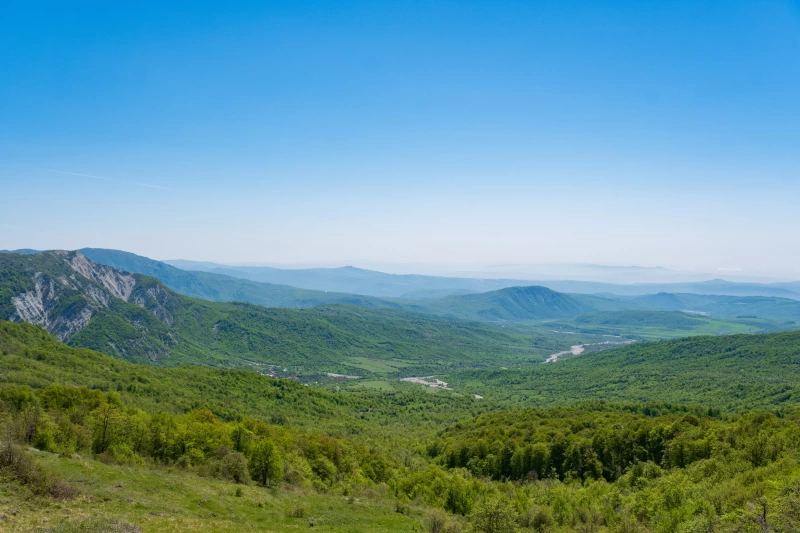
414 133
615 274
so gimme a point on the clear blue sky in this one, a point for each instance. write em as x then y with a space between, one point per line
652 133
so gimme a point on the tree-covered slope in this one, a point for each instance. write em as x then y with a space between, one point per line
730 372
664 319
30 357
778 309
657 325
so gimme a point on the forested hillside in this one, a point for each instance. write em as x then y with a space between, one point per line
731 372
785 310
32 358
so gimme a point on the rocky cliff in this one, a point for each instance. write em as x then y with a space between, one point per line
64 291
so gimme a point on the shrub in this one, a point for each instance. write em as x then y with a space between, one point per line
296 512
183 461
452 527
233 467
435 521
538 519
494 516
20 465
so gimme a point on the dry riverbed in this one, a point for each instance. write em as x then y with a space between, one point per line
578 349
430 381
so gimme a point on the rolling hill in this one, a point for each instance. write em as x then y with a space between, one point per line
749 314
515 304
111 446
778 309
30 357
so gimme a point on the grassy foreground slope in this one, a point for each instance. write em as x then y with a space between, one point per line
731 372
134 499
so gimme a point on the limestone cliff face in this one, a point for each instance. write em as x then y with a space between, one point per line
156 300
33 306
65 290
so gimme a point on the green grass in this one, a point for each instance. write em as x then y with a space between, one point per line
378 385
377 366
168 500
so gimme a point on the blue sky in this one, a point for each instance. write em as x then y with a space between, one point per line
459 133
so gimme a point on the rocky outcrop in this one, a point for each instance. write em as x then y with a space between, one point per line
65 326
65 292
64 301
31 305
43 306
118 283
155 299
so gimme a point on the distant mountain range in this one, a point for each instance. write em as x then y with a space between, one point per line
379 284
515 303
355 280
509 304
351 281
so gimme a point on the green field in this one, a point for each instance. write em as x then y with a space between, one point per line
377 366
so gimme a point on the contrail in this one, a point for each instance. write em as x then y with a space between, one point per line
109 179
